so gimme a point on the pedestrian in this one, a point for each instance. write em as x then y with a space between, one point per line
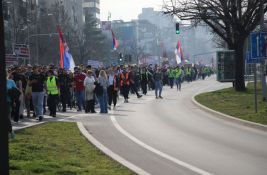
170 73
11 96
102 98
144 80
178 77
64 85
37 83
52 86
133 82
113 88
124 84
89 92
158 83
79 88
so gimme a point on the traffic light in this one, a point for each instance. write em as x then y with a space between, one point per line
120 57
177 28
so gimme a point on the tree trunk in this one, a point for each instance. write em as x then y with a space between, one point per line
239 67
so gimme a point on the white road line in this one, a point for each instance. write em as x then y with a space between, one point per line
110 153
166 156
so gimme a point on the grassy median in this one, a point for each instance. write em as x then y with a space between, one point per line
236 104
58 148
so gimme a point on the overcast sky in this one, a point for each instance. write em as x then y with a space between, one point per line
126 9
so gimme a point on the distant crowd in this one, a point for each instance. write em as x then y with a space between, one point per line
34 89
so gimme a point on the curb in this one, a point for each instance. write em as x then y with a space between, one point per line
109 153
229 118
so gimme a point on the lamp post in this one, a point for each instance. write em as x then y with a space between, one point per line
263 78
4 159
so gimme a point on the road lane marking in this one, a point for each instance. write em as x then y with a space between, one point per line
164 155
110 153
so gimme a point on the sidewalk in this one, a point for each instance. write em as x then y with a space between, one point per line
29 122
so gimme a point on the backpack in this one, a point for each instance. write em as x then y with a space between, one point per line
13 93
99 90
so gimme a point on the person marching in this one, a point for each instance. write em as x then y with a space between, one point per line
124 84
170 73
144 80
102 98
188 74
65 85
158 83
52 92
89 92
113 88
178 77
37 81
133 82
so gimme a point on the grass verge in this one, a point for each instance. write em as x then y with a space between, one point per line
58 148
236 104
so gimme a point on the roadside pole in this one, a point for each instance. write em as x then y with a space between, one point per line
4 160
255 88
263 79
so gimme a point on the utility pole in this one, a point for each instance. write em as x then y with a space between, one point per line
4 160
263 79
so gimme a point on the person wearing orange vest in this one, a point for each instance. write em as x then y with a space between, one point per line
124 84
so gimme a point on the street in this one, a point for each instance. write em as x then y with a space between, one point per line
173 136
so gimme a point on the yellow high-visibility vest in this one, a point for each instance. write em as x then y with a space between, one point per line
52 86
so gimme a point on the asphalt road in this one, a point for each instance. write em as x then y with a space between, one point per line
172 136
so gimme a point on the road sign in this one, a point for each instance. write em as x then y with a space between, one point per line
226 66
95 63
258 43
11 59
252 61
22 51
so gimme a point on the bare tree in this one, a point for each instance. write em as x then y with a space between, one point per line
231 20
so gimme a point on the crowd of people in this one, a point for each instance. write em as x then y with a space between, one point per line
34 89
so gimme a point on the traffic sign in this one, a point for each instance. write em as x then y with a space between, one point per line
251 61
258 42
11 59
22 51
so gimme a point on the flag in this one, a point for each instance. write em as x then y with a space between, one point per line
115 41
179 53
61 47
66 59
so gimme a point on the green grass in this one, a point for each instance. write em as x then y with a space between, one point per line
236 104
58 148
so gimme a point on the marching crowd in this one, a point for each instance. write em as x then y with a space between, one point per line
31 89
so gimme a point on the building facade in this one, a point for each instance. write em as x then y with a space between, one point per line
91 7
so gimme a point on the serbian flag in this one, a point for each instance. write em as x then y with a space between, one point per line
61 47
179 53
66 60
115 41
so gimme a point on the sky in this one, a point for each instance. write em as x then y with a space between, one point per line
126 9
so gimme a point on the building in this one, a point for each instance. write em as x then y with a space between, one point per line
16 17
165 29
91 7
195 41
126 33
148 38
73 9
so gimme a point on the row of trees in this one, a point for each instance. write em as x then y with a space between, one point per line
230 20
85 42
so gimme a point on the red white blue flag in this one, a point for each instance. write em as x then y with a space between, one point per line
66 60
115 41
179 53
